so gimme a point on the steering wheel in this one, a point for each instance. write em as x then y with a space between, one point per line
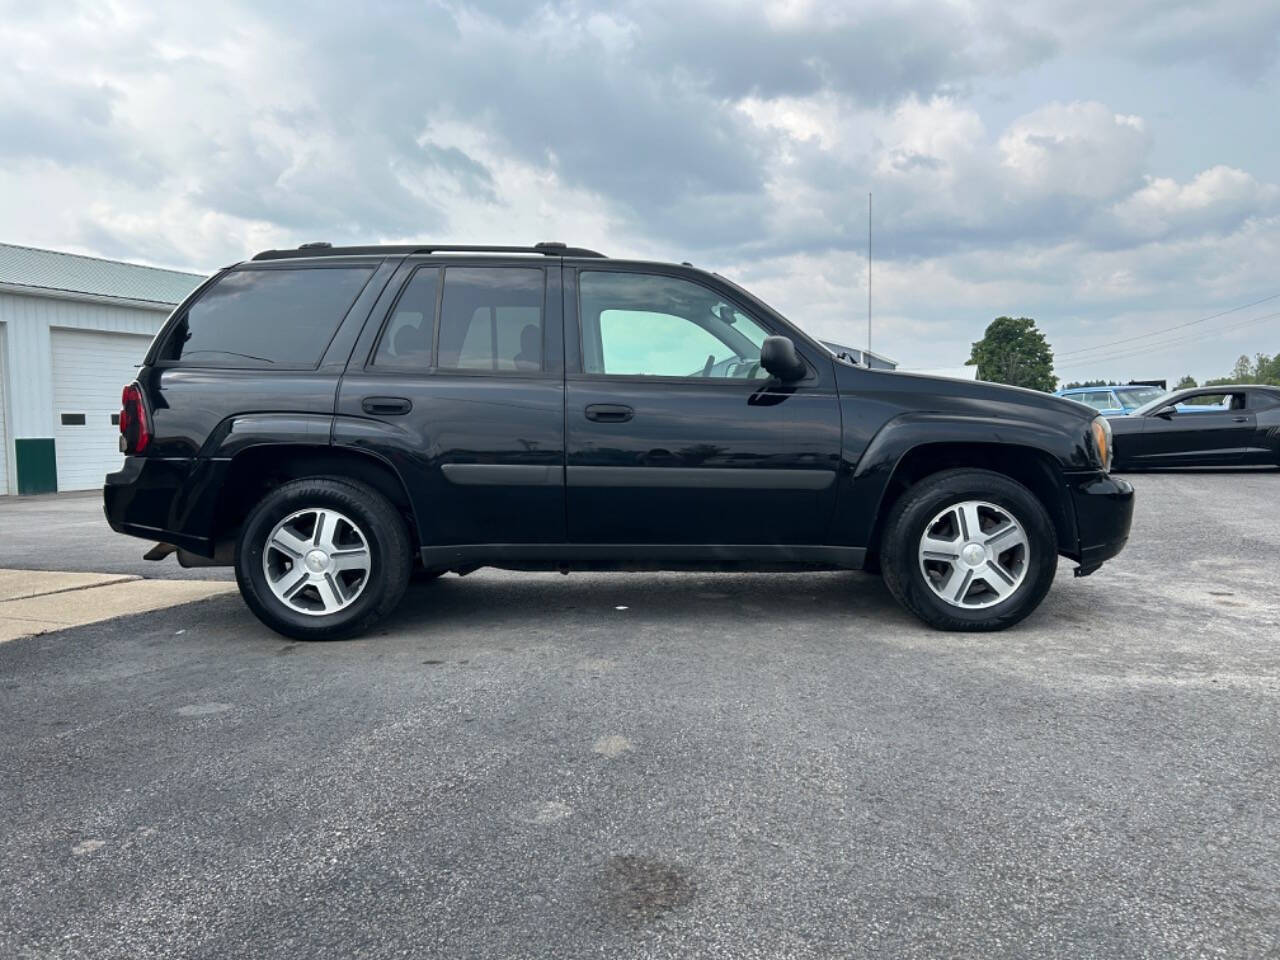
711 362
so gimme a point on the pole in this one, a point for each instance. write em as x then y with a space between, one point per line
868 279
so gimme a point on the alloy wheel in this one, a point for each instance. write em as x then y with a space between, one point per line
974 554
317 561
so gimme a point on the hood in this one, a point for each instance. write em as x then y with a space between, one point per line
951 390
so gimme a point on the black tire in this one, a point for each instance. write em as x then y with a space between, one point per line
900 558
390 557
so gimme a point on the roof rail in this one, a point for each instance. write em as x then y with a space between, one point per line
323 249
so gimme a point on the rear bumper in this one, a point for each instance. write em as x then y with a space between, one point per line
1104 512
170 500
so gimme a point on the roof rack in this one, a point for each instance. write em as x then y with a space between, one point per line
322 249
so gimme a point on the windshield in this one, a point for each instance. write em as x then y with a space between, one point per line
1139 395
1154 404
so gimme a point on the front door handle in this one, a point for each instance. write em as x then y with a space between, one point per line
386 406
609 412
1239 419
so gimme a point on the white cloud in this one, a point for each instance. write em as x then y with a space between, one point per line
744 138
1217 199
1076 149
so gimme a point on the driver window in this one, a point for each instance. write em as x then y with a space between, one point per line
1212 403
647 325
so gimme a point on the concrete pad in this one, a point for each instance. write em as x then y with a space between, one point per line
116 598
13 628
17 584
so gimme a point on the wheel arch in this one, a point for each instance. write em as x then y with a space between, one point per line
255 470
1036 469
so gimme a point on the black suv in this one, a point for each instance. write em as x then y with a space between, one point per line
328 419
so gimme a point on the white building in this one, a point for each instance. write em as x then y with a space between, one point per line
73 330
868 358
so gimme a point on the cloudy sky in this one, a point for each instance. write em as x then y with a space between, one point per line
1111 169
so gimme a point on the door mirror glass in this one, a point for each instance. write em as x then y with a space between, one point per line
778 356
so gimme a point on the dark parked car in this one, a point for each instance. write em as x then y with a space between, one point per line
1201 427
328 419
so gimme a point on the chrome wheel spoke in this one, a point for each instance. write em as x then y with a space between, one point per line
997 579
290 581
288 543
326 534
938 549
330 591
1006 538
353 559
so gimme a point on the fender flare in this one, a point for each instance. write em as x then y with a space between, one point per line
874 471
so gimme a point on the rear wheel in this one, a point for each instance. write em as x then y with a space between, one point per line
969 550
323 558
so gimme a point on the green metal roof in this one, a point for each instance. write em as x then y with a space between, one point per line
73 273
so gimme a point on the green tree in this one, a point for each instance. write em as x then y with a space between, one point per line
1187 381
1013 351
1268 369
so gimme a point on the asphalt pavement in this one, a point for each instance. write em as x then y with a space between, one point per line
669 765
68 531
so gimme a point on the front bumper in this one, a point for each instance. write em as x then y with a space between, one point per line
1104 512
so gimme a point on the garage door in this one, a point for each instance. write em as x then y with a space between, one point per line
4 435
89 369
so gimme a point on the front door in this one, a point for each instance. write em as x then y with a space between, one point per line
674 433
463 393
1208 428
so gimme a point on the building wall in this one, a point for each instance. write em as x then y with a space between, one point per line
28 371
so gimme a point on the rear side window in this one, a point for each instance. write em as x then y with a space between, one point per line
491 319
406 341
266 318
1098 399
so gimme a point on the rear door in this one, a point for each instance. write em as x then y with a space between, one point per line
460 387
675 435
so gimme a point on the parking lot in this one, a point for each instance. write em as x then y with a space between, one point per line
764 765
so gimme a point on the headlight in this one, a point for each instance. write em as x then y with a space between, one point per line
1100 430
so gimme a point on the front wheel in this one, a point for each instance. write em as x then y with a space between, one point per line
323 558
969 550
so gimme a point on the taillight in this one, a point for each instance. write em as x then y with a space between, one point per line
135 432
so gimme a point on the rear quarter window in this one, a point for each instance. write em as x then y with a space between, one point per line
269 318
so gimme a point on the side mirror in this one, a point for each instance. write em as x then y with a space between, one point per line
778 356
1167 412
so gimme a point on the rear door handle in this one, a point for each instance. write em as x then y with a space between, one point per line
609 412
1239 419
386 406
